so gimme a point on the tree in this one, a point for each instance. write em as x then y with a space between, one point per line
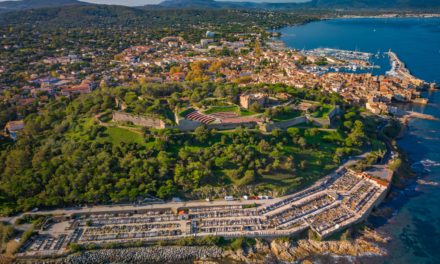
289 164
221 162
175 69
293 132
255 107
276 132
249 177
167 190
302 142
264 146
195 97
313 235
348 125
312 132
304 164
357 135
219 92
257 48
201 133
165 163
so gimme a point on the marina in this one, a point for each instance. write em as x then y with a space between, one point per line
413 213
336 60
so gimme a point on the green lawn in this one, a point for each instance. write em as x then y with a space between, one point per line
186 112
281 181
323 111
286 116
306 125
229 108
218 109
244 112
121 135
81 132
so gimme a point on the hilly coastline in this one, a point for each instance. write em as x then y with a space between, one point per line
430 5
31 4
314 4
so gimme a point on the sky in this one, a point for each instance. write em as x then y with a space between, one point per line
145 2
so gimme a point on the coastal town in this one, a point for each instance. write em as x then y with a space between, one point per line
126 137
245 62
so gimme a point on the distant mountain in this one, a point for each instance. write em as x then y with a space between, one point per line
210 4
150 17
30 4
192 4
319 4
78 15
375 3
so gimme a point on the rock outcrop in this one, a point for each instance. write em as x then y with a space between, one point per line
285 250
359 247
282 250
145 255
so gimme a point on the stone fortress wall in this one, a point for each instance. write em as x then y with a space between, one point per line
284 124
190 125
229 126
326 121
187 125
138 120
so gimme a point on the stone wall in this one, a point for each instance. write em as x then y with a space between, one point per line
327 121
321 122
143 121
190 125
187 125
229 126
334 113
284 124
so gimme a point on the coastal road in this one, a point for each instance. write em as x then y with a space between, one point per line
168 205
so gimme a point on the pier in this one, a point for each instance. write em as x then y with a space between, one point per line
399 70
411 114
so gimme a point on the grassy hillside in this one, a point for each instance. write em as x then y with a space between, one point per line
66 156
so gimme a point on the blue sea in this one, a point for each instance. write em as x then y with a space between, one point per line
414 225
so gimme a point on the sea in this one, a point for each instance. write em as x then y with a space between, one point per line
414 222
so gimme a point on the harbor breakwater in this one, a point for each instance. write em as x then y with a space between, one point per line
412 207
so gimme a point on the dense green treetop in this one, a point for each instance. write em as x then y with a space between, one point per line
64 156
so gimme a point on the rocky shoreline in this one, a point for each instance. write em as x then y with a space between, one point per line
358 241
145 255
283 250
288 251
